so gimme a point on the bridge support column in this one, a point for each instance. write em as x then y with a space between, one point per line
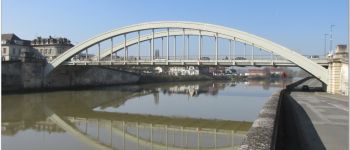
234 48
175 47
152 56
216 47
338 71
125 50
199 45
184 44
86 54
167 44
230 49
99 52
188 47
245 49
150 50
252 52
138 45
272 57
162 48
111 49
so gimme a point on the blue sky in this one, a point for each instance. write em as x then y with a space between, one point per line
296 24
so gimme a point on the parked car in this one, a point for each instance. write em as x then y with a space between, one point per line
205 58
240 58
314 57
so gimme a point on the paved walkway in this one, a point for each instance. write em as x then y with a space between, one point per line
329 114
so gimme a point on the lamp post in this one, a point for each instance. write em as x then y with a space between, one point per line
325 44
331 38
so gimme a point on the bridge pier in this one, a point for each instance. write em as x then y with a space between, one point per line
338 71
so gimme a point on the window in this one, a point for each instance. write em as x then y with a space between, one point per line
13 51
50 51
4 50
45 51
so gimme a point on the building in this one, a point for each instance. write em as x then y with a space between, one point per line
257 73
51 47
217 71
13 47
158 70
188 70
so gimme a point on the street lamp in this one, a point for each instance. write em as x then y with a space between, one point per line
325 43
331 38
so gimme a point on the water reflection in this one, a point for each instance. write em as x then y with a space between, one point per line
72 115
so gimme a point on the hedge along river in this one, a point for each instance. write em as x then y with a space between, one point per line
191 115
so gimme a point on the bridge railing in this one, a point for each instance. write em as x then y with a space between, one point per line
208 58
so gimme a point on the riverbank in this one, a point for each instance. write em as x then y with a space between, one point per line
150 78
19 77
27 77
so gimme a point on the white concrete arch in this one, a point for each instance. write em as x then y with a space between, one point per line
303 62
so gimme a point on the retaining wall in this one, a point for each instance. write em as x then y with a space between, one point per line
18 76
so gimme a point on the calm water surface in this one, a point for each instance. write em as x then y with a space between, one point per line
191 115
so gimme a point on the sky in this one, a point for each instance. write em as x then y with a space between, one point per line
297 24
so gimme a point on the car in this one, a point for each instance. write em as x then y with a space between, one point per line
240 58
205 58
314 57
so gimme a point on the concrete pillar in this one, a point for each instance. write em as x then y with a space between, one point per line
152 56
245 49
199 44
174 47
125 50
230 49
162 48
99 52
338 71
138 45
234 48
86 54
167 44
111 49
184 44
188 46
216 46
253 51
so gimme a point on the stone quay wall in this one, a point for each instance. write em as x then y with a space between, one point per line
19 76
268 130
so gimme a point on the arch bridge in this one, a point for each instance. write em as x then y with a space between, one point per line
120 54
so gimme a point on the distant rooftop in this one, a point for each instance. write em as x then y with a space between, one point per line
50 41
12 38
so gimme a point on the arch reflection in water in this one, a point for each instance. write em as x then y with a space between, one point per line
139 135
71 115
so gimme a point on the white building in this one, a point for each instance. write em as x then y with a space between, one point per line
13 48
158 69
51 47
188 70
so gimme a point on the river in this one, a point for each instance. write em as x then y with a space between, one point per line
190 115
